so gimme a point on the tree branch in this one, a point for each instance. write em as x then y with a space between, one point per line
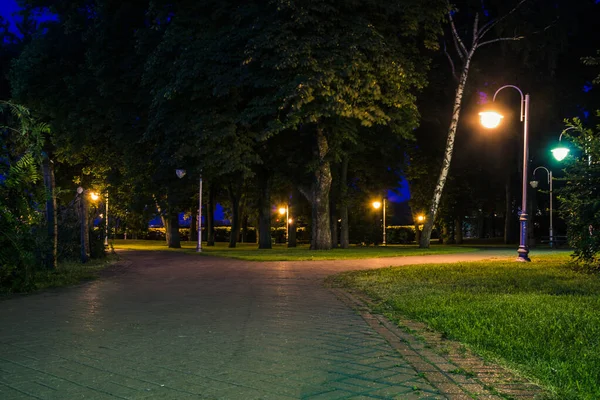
475 26
460 47
487 27
500 39
451 62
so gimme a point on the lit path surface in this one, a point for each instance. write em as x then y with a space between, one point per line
166 325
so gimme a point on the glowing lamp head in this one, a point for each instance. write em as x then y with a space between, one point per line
94 196
490 119
376 205
560 153
290 221
534 184
420 218
282 210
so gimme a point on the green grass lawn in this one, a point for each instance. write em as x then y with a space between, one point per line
540 318
68 273
279 252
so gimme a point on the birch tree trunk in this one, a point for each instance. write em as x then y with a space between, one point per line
465 56
437 193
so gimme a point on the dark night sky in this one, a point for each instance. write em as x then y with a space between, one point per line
7 8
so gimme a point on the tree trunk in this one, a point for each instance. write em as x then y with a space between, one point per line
51 217
293 207
235 216
164 220
446 236
334 227
480 225
437 193
417 234
243 219
264 212
292 234
173 230
244 237
210 217
458 235
318 196
193 236
344 234
84 225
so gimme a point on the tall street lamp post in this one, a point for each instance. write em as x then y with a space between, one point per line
84 223
106 220
534 184
286 210
376 206
180 174
492 119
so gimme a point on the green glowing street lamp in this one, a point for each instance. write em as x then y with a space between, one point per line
560 153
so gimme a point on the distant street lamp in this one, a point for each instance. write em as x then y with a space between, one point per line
420 218
84 223
95 196
180 174
534 184
106 231
376 206
286 210
491 119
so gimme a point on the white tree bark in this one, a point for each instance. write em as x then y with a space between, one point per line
465 55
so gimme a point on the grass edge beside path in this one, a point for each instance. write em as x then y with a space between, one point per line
68 273
280 252
540 319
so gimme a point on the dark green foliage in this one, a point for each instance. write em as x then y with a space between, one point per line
22 237
580 197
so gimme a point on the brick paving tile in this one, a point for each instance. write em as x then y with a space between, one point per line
166 325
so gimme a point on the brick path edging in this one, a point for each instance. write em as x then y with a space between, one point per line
454 370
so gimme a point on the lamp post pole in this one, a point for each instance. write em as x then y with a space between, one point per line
549 173
286 211
384 242
523 249
106 221
180 174
199 245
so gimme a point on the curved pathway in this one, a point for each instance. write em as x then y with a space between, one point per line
165 325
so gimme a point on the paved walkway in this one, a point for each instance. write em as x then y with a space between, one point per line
166 325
